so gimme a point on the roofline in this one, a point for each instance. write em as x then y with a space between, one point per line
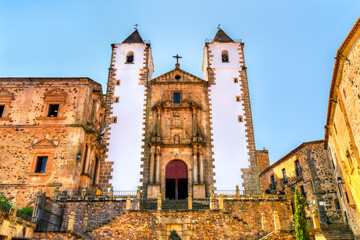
180 70
344 49
289 154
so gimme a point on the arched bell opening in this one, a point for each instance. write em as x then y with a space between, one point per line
176 185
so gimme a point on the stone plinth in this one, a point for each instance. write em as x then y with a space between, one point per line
199 191
153 190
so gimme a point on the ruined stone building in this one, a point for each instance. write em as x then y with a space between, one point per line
183 119
342 132
306 167
49 132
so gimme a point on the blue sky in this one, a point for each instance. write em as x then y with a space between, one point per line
289 49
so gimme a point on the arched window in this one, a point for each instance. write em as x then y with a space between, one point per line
130 57
225 56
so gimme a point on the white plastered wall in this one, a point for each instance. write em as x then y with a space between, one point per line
229 136
126 135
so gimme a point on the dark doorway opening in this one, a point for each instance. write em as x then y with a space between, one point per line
176 180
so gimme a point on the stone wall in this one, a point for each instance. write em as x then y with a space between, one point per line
27 133
239 219
98 212
315 176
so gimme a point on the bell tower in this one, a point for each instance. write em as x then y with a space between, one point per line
233 134
130 70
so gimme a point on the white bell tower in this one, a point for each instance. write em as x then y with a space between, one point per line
233 133
130 70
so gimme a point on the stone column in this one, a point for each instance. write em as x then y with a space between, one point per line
128 203
316 219
194 127
221 201
201 165
195 164
190 201
152 164
87 159
86 222
158 116
159 202
277 221
158 165
263 222
71 222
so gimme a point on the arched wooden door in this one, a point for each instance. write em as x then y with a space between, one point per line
176 180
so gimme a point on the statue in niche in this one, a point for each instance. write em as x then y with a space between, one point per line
174 236
176 139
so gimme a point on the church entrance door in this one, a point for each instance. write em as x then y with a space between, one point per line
176 180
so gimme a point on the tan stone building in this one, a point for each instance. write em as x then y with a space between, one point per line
342 133
307 168
50 135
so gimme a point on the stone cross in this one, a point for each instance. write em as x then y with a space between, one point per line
177 58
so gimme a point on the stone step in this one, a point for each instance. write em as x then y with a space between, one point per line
337 231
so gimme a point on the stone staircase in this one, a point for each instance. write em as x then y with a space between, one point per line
175 205
336 231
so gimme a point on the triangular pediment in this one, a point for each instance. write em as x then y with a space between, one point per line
5 94
44 143
177 75
56 92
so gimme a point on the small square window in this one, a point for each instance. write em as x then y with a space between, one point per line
176 97
41 164
116 99
2 107
238 99
240 118
236 80
114 119
117 82
53 110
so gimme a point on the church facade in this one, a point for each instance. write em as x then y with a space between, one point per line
189 123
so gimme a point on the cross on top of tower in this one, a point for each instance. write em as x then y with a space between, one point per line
218 26
135 26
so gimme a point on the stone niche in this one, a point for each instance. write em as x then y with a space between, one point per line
180 225
199 191
153 190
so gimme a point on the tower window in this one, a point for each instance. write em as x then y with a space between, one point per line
130 57
117 82
114 120
297 168
236 80
225 56
302 190
2 110
176 98
240 118
41 164
116 99
53 110
273 184
238 99
284 175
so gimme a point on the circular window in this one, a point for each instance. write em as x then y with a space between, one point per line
177 77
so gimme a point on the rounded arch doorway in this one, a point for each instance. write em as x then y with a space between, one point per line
176 180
